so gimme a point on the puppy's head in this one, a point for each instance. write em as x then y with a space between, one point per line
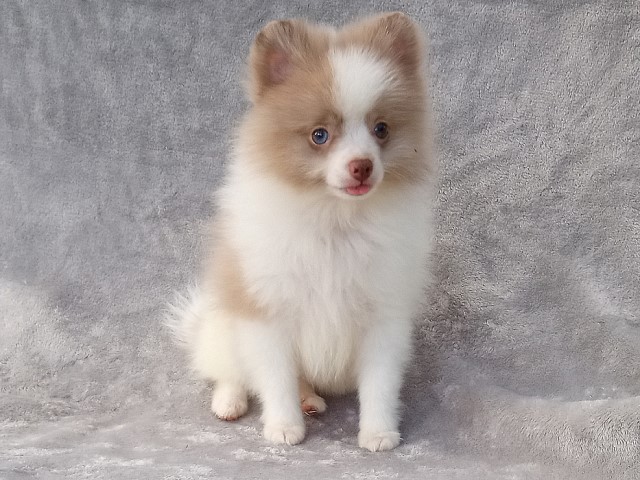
343 111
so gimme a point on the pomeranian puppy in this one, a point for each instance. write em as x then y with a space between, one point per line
321 236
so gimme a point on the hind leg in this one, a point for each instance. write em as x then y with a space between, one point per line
310 402
214 357
229 401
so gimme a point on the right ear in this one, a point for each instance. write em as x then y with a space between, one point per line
274 54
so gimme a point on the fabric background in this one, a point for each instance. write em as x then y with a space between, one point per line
115 120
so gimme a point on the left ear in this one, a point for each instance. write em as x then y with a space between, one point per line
396 36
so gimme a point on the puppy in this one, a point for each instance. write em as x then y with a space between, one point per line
319 245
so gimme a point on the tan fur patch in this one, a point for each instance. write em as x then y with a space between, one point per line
406 153
287 109
224 273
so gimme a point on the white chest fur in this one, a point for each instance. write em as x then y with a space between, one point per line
327 268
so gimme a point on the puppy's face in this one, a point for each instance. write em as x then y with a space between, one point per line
342 111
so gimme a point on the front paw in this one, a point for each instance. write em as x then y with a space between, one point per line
378 441
291 434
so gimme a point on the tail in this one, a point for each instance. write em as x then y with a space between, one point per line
183 317
201 331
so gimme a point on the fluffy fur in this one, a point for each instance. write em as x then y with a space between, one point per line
317 266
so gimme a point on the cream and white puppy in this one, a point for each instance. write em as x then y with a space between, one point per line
321 236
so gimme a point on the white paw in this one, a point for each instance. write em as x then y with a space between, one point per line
291 434
313 404
229 403
378 441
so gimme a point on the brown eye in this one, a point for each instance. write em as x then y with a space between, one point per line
381 130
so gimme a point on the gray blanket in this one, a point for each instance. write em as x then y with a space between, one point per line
115 119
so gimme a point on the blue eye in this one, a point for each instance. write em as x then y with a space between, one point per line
320 136
381 130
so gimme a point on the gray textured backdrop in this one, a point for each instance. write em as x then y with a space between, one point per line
115 117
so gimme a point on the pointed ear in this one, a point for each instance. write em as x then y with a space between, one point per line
397 37
274 54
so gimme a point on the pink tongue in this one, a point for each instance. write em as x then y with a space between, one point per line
359 190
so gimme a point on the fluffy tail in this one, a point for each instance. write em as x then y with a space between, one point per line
201 330
183 317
